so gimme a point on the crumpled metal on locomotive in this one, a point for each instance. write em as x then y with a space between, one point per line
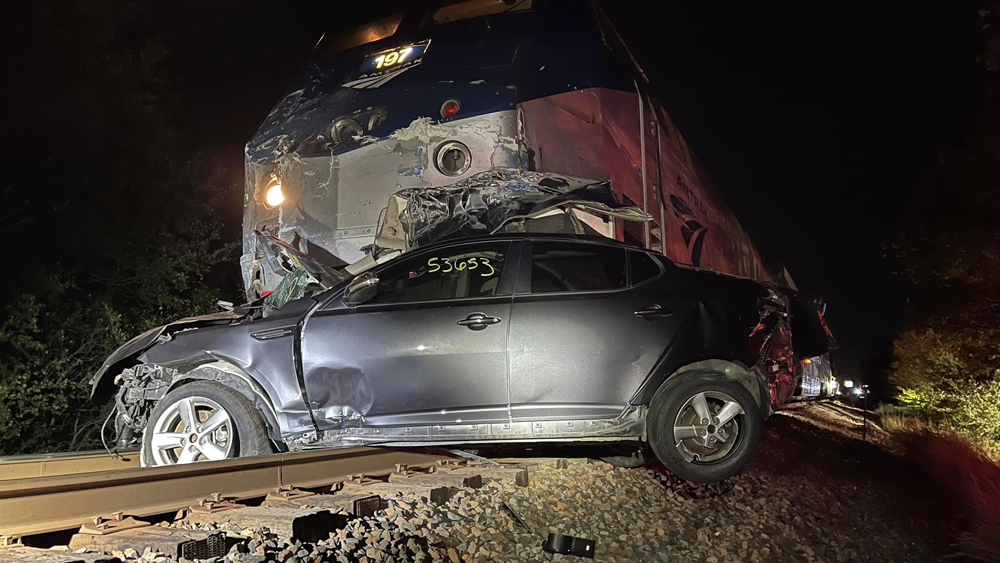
485 202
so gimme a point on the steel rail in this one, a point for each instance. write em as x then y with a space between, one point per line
51 503
46 465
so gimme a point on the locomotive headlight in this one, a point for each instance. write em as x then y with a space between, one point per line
273 195
345 129
453 158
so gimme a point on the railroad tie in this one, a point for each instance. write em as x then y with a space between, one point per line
436 476
358 505
173 542
433 494
21 554
505 472
305 524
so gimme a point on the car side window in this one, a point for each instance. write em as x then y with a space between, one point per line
451 273
575 266
642 267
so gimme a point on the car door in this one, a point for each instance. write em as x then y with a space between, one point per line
430 348
589 322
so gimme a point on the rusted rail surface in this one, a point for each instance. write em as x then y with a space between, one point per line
63 501
48 465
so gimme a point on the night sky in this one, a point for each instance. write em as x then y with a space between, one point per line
816 123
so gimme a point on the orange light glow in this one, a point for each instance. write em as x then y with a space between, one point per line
449 108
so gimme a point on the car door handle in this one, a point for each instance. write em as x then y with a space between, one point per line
478 321
653 311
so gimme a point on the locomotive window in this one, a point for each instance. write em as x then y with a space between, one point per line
370 32
477 8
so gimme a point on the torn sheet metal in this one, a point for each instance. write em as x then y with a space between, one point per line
486 202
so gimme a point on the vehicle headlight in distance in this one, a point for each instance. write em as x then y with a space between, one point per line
273 196
453 158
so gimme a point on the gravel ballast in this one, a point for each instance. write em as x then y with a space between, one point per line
811 494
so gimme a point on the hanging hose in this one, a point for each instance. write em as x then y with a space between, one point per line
104 428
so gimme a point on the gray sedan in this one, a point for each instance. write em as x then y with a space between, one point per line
500 339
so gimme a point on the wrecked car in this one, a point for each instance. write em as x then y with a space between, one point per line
508 337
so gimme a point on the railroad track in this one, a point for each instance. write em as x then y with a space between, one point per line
114 505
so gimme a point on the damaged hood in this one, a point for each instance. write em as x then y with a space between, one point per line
128 351
487 202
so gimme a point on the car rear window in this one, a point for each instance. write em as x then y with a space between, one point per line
642 267
572 266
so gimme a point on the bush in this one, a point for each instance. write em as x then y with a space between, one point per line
897 419
109 230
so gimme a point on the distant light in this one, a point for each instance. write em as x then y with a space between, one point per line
421 348
273 196
449 108
857 391
848 383
807 361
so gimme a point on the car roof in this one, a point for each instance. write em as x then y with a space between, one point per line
538 236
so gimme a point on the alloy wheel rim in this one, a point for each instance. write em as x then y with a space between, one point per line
192 429
707 427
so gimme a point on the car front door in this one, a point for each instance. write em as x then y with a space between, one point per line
589 323
430 348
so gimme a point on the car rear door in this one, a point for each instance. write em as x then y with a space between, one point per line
430 348
589 322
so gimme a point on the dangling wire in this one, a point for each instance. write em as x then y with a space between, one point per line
104 428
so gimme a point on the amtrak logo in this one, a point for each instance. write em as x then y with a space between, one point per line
378 78
692 231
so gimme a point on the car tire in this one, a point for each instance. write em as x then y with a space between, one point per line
241 432
676 404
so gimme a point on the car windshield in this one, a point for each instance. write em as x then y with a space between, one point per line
294 285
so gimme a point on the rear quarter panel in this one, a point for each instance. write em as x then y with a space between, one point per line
719 325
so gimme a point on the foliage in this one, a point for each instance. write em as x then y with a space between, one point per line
109 228
947 359
898 419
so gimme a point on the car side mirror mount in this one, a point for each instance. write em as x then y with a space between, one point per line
362 289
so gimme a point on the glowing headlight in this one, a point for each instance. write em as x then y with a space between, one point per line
273 196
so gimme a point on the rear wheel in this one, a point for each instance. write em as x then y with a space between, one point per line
702 426
203 421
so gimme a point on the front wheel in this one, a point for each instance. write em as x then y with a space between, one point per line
203 421
702 426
